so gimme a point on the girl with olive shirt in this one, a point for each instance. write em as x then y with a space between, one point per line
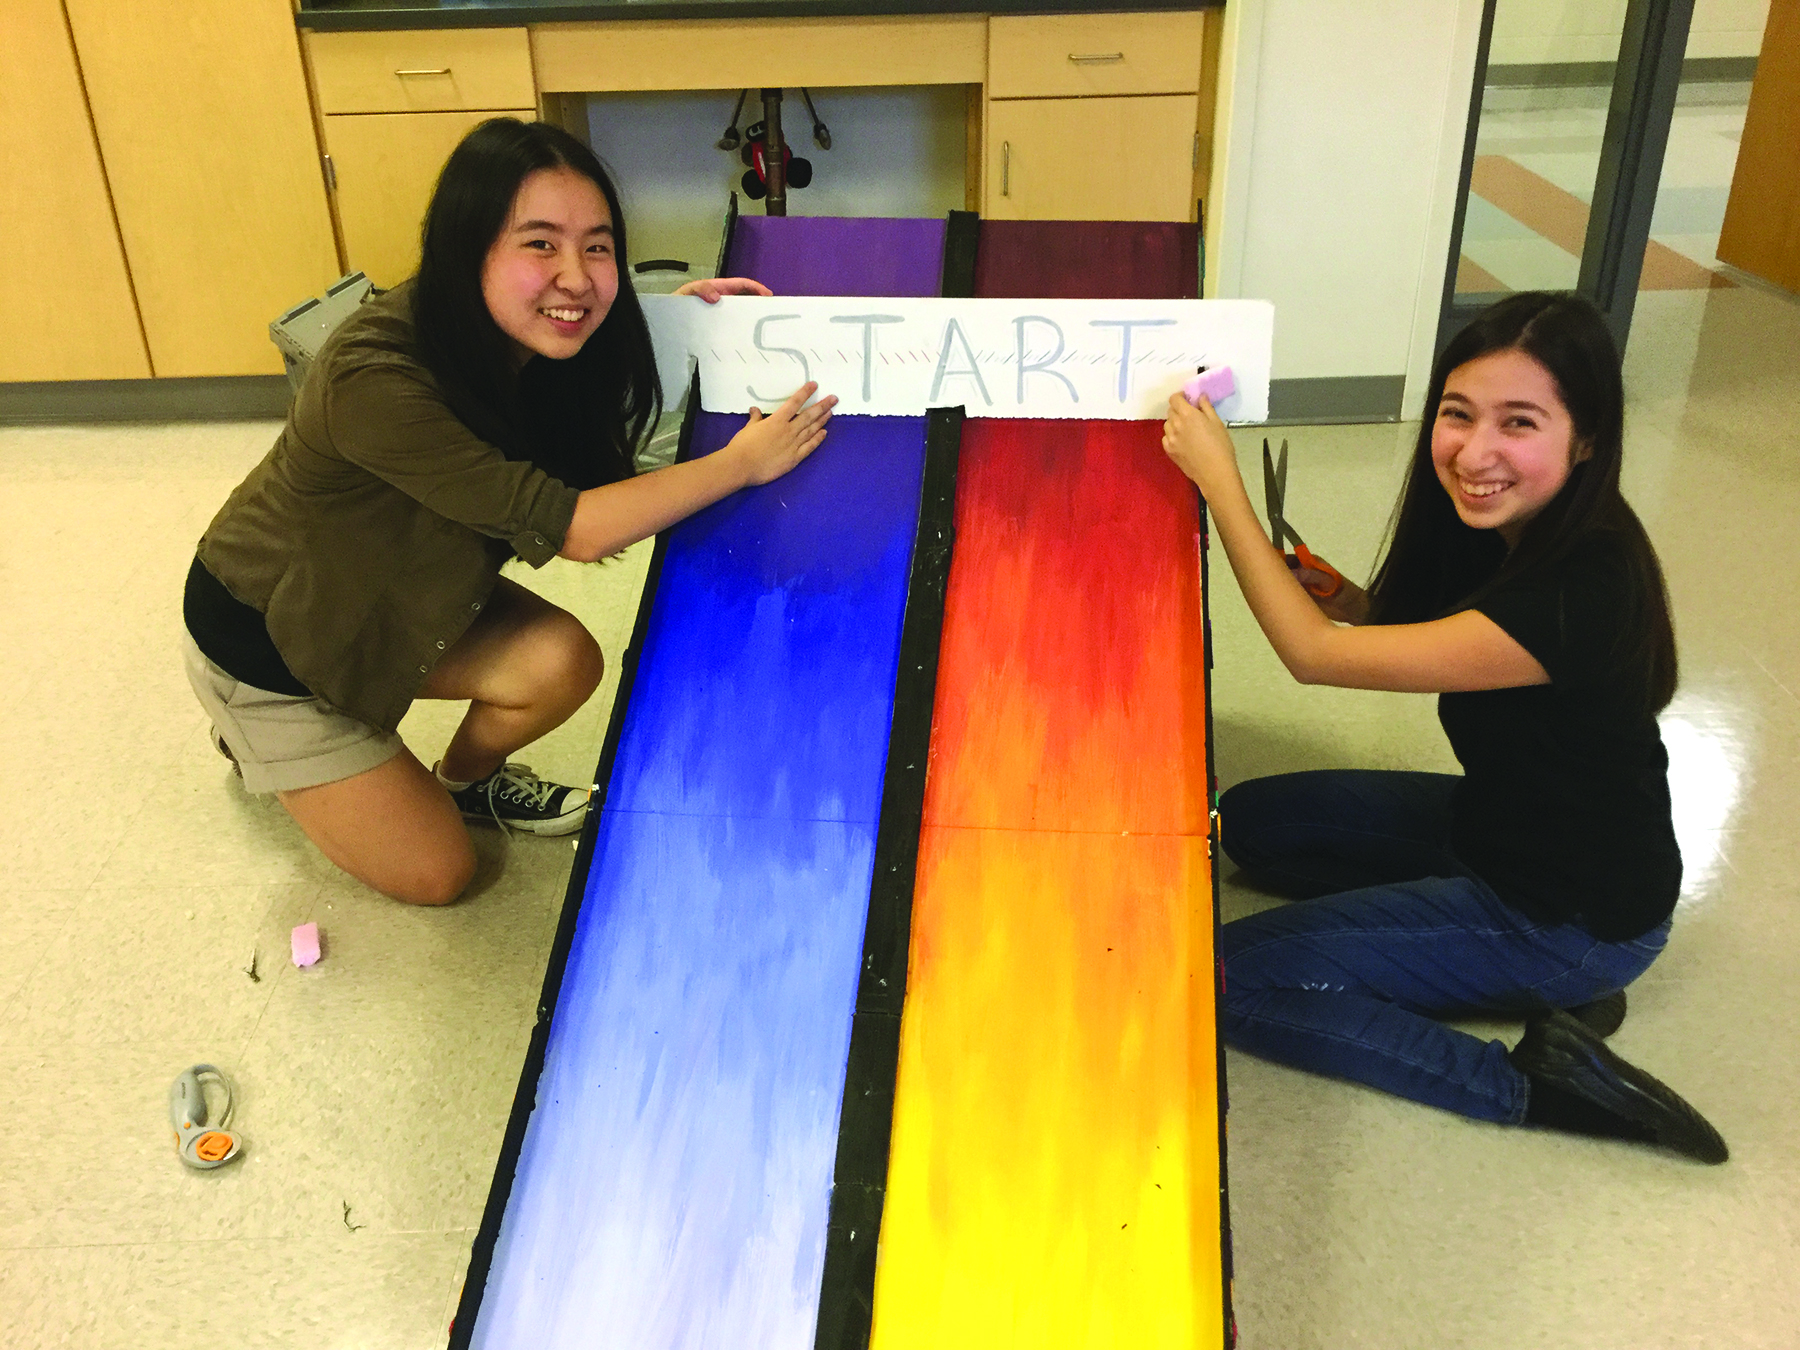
487 408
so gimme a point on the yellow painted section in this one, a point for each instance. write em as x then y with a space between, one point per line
1054 1181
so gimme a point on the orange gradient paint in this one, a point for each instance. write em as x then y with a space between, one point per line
1054 1178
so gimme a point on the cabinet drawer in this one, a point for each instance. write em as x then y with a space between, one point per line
1141 151
430 70
1069 55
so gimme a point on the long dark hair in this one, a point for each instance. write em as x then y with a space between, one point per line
581 419
1436 565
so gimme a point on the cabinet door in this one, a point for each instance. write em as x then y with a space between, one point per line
66 308
1091 158
207 136
387 165
1762 220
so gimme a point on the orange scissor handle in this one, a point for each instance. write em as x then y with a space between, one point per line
1314 564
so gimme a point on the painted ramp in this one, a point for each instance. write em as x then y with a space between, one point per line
674 1161
884 1015
1056 1174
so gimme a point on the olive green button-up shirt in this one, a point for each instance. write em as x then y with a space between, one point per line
371 535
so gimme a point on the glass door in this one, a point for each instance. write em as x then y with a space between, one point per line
1567 127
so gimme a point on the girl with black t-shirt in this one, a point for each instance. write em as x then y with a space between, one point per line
488 408
1521 588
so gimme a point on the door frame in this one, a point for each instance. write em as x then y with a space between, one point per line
1645 82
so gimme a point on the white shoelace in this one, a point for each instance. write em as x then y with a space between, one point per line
517 783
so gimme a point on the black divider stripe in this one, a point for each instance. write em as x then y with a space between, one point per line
481 1253
866 1119
962 241
1214 858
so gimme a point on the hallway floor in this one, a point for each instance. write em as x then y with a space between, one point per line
1537 154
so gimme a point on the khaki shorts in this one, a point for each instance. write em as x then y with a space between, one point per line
281 742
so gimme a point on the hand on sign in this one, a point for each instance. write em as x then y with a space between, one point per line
710 289
770 446
1195 438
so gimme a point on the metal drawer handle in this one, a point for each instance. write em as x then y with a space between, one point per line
441 70
1006 168
1096 58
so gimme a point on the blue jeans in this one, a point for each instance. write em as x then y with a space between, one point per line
1390 933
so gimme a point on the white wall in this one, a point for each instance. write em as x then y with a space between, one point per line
1342 144
895 152
1554 32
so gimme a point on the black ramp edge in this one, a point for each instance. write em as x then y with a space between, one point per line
866 1119
481 1252
962 238
726 236
1215 858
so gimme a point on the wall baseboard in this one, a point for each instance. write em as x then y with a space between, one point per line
1581 74
233 398
209 398
1343 398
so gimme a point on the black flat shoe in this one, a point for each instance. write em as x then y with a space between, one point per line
1568 1060
1603 1016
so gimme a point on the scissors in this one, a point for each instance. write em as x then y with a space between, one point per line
1274 495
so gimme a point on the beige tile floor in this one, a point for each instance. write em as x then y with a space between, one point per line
137 882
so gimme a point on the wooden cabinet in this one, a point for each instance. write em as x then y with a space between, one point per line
174 146
816 51
201 112
386 165
1091 158
1096 116
435 70
1761 233
1085 55
386 149
66 307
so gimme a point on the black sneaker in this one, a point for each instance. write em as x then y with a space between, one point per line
515 798
1603 1016
1559 1051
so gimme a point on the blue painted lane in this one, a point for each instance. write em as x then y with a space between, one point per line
675 1179
775 635
674 1182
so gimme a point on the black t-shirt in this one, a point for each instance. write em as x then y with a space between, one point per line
1564 805
234 636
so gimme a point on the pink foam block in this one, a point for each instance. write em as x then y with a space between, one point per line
1217 384
306 944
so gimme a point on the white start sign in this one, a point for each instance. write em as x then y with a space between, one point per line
1105 359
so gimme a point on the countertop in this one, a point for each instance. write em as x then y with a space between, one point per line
327 15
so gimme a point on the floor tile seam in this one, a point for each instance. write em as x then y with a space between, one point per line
255 1028
307 910
136 1242
1773 677
119 832
43 954
242 1240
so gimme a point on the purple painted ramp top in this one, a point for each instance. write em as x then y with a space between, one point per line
833 255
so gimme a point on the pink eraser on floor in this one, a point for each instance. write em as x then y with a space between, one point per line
1216 384
306 944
